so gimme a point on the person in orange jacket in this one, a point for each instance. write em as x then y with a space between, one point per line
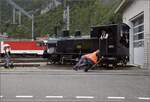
87 59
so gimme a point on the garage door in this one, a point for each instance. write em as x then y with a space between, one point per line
138 39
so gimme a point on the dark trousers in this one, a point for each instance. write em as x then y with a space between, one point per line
7 59
83 62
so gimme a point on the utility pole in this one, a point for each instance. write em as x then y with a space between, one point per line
14 16
33 36
66 15
0 16
19 13
68 18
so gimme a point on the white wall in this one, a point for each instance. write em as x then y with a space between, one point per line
129 13
139 55
147 35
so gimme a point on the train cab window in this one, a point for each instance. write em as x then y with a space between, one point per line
124 36
104 35
39 44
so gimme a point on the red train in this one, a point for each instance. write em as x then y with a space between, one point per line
23 47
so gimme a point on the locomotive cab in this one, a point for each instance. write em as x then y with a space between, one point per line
113 43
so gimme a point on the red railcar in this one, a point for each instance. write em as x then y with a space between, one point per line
23 47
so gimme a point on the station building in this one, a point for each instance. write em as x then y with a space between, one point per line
136 13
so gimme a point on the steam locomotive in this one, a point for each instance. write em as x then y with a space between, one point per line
112 41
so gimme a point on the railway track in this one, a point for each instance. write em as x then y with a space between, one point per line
39 61
25 62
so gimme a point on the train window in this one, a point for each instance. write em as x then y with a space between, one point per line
104 35
39 44
124 34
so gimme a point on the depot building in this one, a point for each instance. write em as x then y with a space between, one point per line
136 14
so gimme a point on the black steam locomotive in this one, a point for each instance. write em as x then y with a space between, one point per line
112 40
113 43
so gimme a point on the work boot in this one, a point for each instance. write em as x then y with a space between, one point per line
75 68
6 66
11 66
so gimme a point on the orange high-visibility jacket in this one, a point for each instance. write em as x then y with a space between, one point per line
92 57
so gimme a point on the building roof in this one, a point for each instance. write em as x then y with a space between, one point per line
123 5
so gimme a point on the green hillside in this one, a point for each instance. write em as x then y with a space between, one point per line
83 15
